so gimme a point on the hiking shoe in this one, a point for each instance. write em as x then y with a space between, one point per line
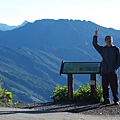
105 103
117 103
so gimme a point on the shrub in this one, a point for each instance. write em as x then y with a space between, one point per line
60 94
82 94
5 95
99 94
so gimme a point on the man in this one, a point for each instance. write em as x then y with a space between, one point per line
109 67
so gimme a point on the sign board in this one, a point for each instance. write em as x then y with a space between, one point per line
80 67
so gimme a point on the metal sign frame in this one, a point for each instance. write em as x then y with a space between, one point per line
80 67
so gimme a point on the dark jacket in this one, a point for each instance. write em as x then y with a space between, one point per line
110 55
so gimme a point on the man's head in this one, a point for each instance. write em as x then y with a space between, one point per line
109 40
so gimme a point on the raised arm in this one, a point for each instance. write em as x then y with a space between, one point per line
98 47
96 32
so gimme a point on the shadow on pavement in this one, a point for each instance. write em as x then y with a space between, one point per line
52 108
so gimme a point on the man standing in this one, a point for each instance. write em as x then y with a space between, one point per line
109 67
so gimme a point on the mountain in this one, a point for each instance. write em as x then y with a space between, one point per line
54 33
5 27
25 22
31 55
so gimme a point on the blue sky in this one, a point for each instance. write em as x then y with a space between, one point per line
102 12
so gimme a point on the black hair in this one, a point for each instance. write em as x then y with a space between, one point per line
107 37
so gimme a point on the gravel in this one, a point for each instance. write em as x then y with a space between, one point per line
59 111
87 109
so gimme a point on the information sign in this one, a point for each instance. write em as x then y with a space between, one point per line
80 67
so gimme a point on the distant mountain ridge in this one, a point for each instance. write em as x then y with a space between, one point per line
54 33
31 55
5 27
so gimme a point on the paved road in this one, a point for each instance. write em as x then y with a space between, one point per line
31 114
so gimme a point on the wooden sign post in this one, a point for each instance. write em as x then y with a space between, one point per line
70 86
93 83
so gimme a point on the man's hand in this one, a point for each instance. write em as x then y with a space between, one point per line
97 31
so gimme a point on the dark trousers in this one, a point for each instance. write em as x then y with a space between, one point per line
110 81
